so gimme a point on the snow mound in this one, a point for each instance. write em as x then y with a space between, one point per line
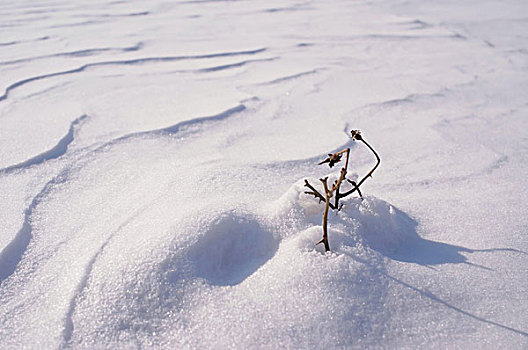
256 276
369 221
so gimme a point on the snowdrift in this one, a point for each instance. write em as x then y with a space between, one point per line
245 278
151 177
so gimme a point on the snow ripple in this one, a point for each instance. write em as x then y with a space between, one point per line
77 53
136 61
57 151
12 254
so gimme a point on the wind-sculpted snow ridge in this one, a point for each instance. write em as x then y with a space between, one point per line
16 42
135 61
68 321
173 130
290 77
11 255
232 65
131 14
56 152
77 53
308 163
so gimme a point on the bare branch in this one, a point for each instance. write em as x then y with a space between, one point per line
315 193
356 188
342 177
325 214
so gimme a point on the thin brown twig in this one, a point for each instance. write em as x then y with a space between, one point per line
315 193
325 214
342 177
369 174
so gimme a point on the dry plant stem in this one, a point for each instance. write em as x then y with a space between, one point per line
316 193
342 177
356 187
336 185
325 215
353 183
328 192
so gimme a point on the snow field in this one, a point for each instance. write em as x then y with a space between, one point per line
152 157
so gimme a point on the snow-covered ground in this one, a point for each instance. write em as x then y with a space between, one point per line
152 157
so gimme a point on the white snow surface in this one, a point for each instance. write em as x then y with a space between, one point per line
153 155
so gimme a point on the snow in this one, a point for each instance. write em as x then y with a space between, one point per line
153 156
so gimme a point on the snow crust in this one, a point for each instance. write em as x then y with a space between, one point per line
153 156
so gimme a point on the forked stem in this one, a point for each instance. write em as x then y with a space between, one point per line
329 192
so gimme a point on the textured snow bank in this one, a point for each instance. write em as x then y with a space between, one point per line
207 277
226 270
